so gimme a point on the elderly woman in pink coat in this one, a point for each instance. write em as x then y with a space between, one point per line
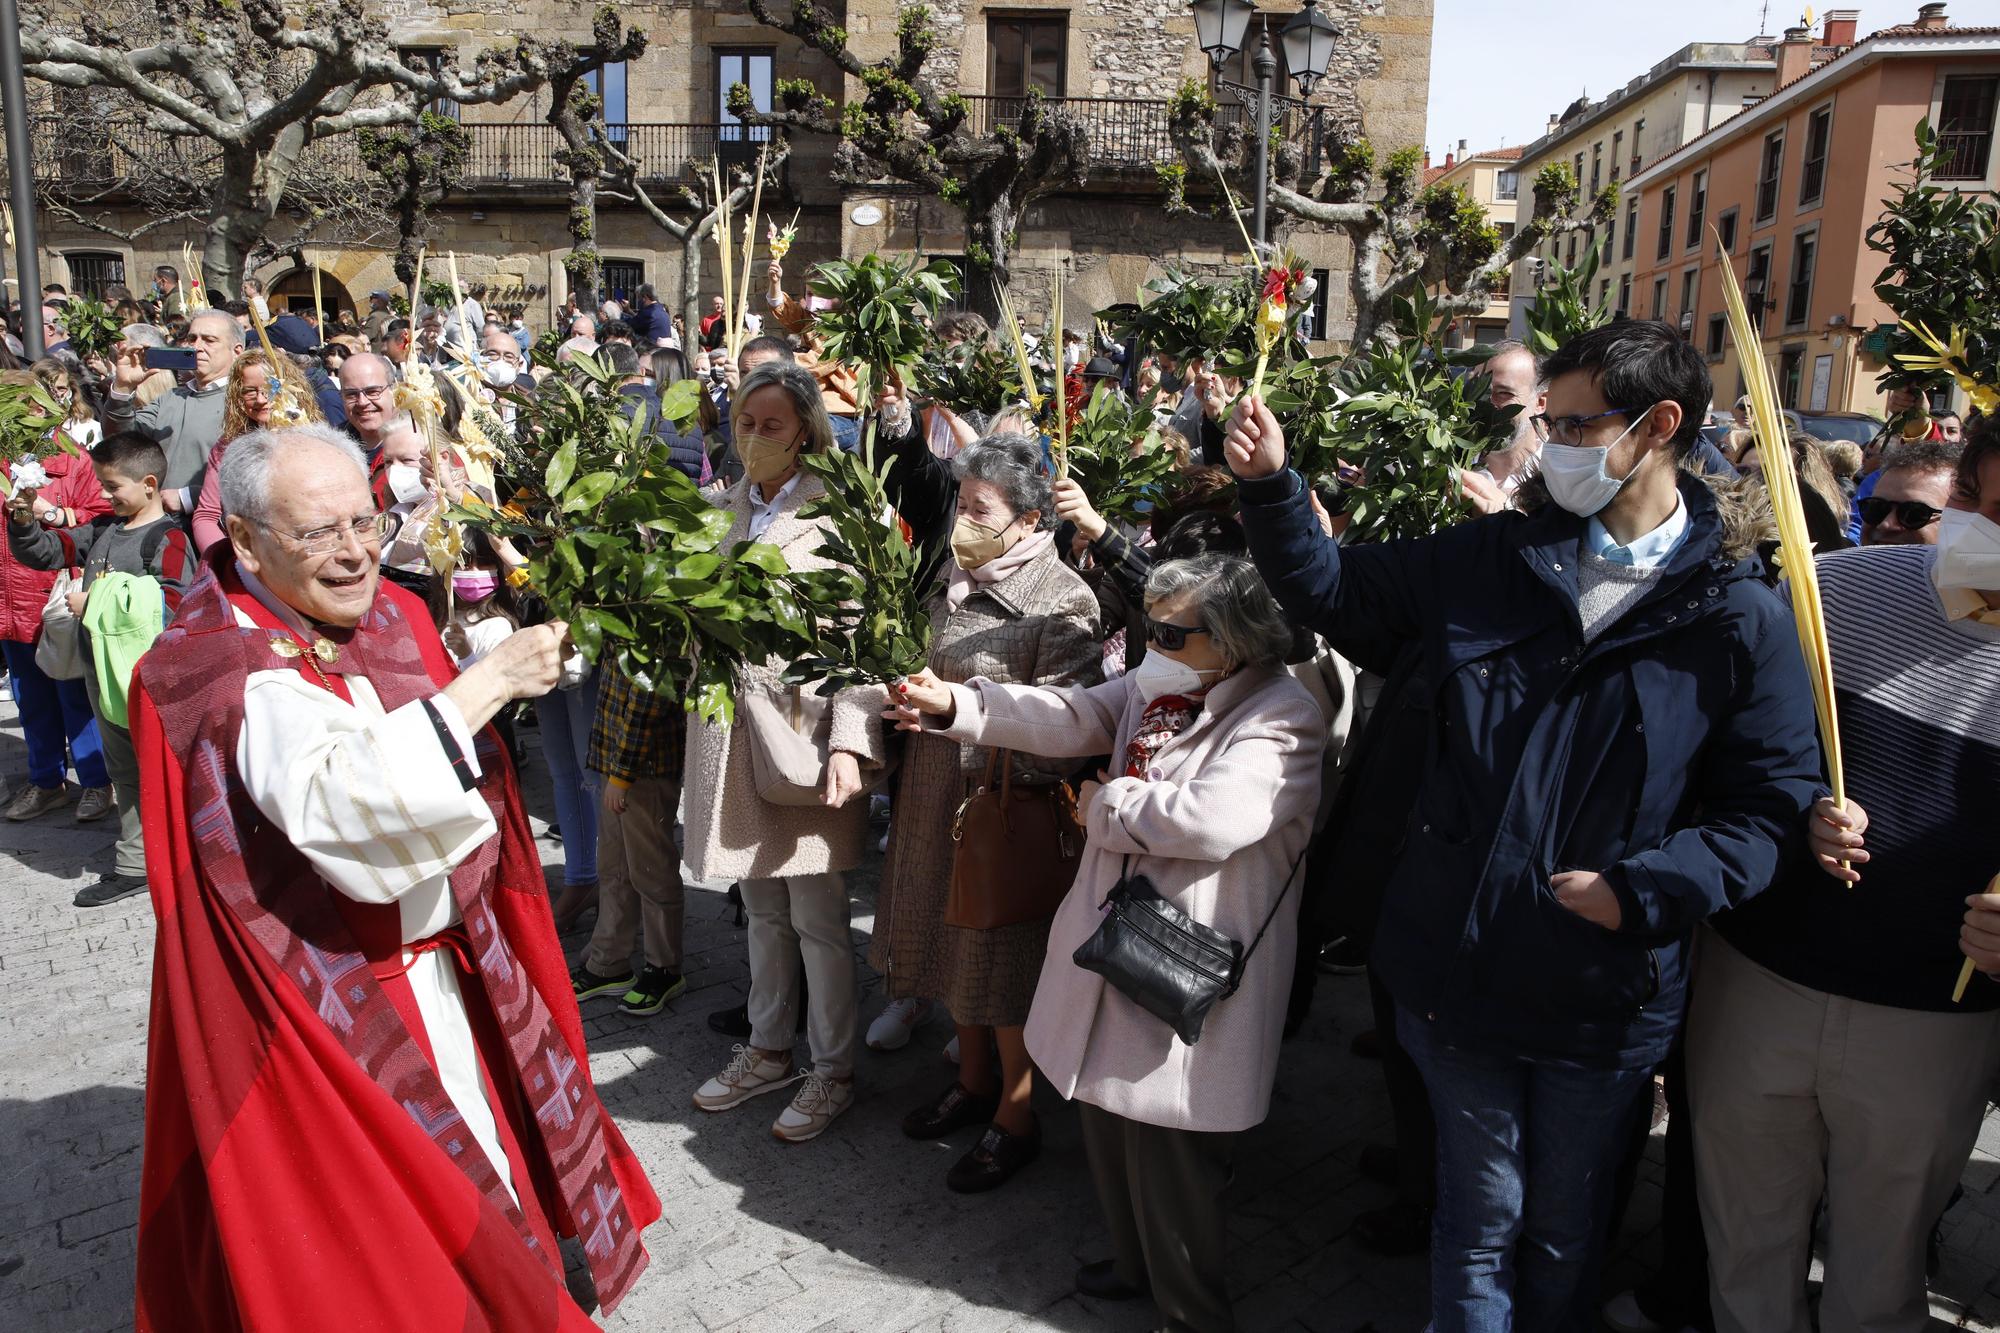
1214 781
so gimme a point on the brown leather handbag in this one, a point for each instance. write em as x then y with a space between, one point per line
1015 851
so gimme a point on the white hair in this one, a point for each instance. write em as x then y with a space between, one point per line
145 335
249 461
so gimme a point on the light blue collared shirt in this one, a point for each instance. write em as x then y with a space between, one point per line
1647 552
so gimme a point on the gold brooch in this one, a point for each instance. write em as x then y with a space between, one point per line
326 650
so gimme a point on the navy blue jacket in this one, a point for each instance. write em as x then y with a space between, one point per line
1675 754
686 449
649 324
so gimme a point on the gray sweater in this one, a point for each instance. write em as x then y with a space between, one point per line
1606 590
187 422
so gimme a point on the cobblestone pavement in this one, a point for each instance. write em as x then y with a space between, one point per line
854 1232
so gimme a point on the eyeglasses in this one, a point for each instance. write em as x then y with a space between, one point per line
1568 430
368 529
1173 638
1910 514
371 393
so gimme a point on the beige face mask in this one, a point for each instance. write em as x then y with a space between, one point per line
765 458
973 543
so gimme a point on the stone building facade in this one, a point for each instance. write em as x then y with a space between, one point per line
1115 62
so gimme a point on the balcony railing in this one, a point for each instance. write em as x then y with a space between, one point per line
1964 156
1131 133
1125 134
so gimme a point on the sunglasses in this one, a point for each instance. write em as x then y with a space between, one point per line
1171 637
1911 514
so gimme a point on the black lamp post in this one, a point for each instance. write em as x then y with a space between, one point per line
1308 40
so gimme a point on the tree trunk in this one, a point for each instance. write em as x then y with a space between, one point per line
583 264
988 259
244 204
691 277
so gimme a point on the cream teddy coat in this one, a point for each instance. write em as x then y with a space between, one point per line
1217 824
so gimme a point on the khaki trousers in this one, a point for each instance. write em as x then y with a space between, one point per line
802 918
638 880
1799 1095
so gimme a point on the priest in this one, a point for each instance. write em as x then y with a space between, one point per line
367 1090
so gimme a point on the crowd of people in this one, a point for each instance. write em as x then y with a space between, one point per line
1552 775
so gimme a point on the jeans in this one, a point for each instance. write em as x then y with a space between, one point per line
1527 1153
847 433
564 717
56 723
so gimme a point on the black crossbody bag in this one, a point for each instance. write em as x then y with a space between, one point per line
1165 961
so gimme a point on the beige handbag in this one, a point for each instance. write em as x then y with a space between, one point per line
59 650
788 745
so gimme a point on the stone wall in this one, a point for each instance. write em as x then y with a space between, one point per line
1106 240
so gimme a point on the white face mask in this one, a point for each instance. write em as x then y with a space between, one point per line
1158 675
499 374
1968 552
1579 477
406 482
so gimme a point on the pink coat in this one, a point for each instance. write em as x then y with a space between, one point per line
1217 825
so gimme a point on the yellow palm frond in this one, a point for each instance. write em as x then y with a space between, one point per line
1781 479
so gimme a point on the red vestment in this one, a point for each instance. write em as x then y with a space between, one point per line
303 1166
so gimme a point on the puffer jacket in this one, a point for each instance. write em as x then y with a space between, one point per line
1675 754
23 591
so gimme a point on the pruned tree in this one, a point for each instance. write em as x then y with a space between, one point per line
573 110
697 194
263 81
1407 236
905 128
417 166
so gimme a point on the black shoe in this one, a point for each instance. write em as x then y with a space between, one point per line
994 1161
954 1109
1380 1164
651 990
732 1022
1343 957
109 889
1100 1281
588 985
735 1021
1400 1228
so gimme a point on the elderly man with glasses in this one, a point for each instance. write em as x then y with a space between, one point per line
355 953
1620 742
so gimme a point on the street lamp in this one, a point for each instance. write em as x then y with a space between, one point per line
1308 40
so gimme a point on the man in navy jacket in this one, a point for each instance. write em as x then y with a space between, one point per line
1622 738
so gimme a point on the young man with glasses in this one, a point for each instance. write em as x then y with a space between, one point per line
367 397
1622 737
1911 493
1828 1058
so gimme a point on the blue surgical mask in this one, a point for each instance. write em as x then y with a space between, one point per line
1579 476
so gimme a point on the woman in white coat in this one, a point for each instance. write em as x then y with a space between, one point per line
1215 781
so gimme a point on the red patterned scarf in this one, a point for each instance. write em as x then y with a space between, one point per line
1165 718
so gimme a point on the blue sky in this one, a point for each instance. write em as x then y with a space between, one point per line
1499 68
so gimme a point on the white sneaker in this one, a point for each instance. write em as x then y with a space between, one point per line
747 1075
891 1029
814 1106
951 1050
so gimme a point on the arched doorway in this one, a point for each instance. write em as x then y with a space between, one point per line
294 293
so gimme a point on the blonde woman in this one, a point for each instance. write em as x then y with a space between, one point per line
789 860
256 382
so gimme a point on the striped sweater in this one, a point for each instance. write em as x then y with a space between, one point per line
1919 711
